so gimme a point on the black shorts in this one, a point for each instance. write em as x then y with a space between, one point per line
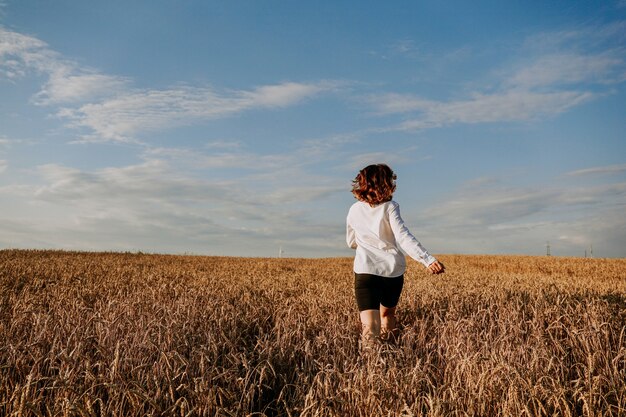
372 290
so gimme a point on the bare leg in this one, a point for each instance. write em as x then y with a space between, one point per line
370 321
389 330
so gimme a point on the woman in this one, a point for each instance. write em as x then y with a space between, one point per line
377 232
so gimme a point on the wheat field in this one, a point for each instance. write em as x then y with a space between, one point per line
132 334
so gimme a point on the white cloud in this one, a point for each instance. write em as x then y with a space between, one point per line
487 217
402 48
270 174
67 81
284 94
405 48
21 53
223 144
609 36
138 183
146 199
400 103
66 87
609 169
585 55
570 68
516 227
3 165
122 117
180 200
109 109
490 205
509 106
554 73
477 206
578 240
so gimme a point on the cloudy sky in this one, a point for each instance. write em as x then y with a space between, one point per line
236 127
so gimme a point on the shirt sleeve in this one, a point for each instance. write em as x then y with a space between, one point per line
406 240
350 238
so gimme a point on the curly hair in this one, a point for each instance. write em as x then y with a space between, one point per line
374 184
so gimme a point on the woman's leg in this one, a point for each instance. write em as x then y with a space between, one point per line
392 288
367 291
370 323
388 323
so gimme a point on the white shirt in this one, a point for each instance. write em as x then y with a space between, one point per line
377 233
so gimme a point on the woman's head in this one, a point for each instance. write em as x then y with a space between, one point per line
374 184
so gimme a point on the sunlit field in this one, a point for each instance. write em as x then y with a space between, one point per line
123 334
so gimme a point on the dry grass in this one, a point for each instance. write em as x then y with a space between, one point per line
134 334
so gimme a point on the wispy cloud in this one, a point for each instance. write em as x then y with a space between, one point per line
484 108
282 95
404 47
233 158
134 186
67 81
585 55
488 205
570 68
493 207
610 169
288 176
578 39
147 198
155 205
180 199
490 217
64 86
124 116
506 106
21 53
400 48
108 108
549 82
223 144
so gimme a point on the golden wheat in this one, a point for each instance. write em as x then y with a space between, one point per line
97 334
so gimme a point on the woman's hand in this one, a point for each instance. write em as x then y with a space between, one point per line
436 268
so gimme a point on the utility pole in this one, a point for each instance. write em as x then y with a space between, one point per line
548 248
591 248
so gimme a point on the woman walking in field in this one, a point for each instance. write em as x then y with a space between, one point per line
377 232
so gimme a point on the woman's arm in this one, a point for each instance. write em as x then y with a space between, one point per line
350 238
407 241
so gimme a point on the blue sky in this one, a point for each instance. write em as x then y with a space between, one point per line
235 128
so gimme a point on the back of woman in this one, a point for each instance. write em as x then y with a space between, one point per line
374 227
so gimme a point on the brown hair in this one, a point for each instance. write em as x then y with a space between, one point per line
374 184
